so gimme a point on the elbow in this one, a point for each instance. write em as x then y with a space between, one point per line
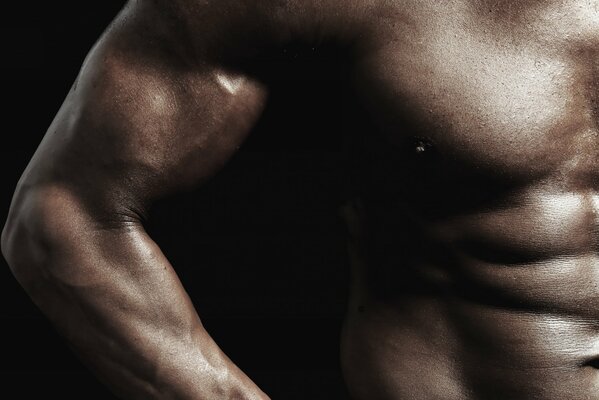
5 242
12 234
18 238
50 235
30 234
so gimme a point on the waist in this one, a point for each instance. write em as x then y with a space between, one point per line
431 321
440 346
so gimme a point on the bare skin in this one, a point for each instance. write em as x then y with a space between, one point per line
473 239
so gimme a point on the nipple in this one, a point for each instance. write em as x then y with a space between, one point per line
422 145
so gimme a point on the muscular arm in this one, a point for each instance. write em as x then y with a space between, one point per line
144 119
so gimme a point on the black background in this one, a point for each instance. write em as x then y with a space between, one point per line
260 248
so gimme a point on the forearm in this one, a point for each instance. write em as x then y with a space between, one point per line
110 291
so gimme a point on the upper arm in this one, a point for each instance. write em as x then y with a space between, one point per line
143 119
162 101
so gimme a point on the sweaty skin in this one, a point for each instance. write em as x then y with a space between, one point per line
473 233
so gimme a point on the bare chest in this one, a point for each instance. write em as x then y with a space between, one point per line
512 92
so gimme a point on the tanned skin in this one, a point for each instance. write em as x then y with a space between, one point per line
474 233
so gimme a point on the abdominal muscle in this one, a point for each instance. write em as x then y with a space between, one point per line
498 304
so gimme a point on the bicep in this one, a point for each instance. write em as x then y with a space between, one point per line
141 121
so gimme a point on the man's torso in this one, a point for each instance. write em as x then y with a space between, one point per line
474 234
477 261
